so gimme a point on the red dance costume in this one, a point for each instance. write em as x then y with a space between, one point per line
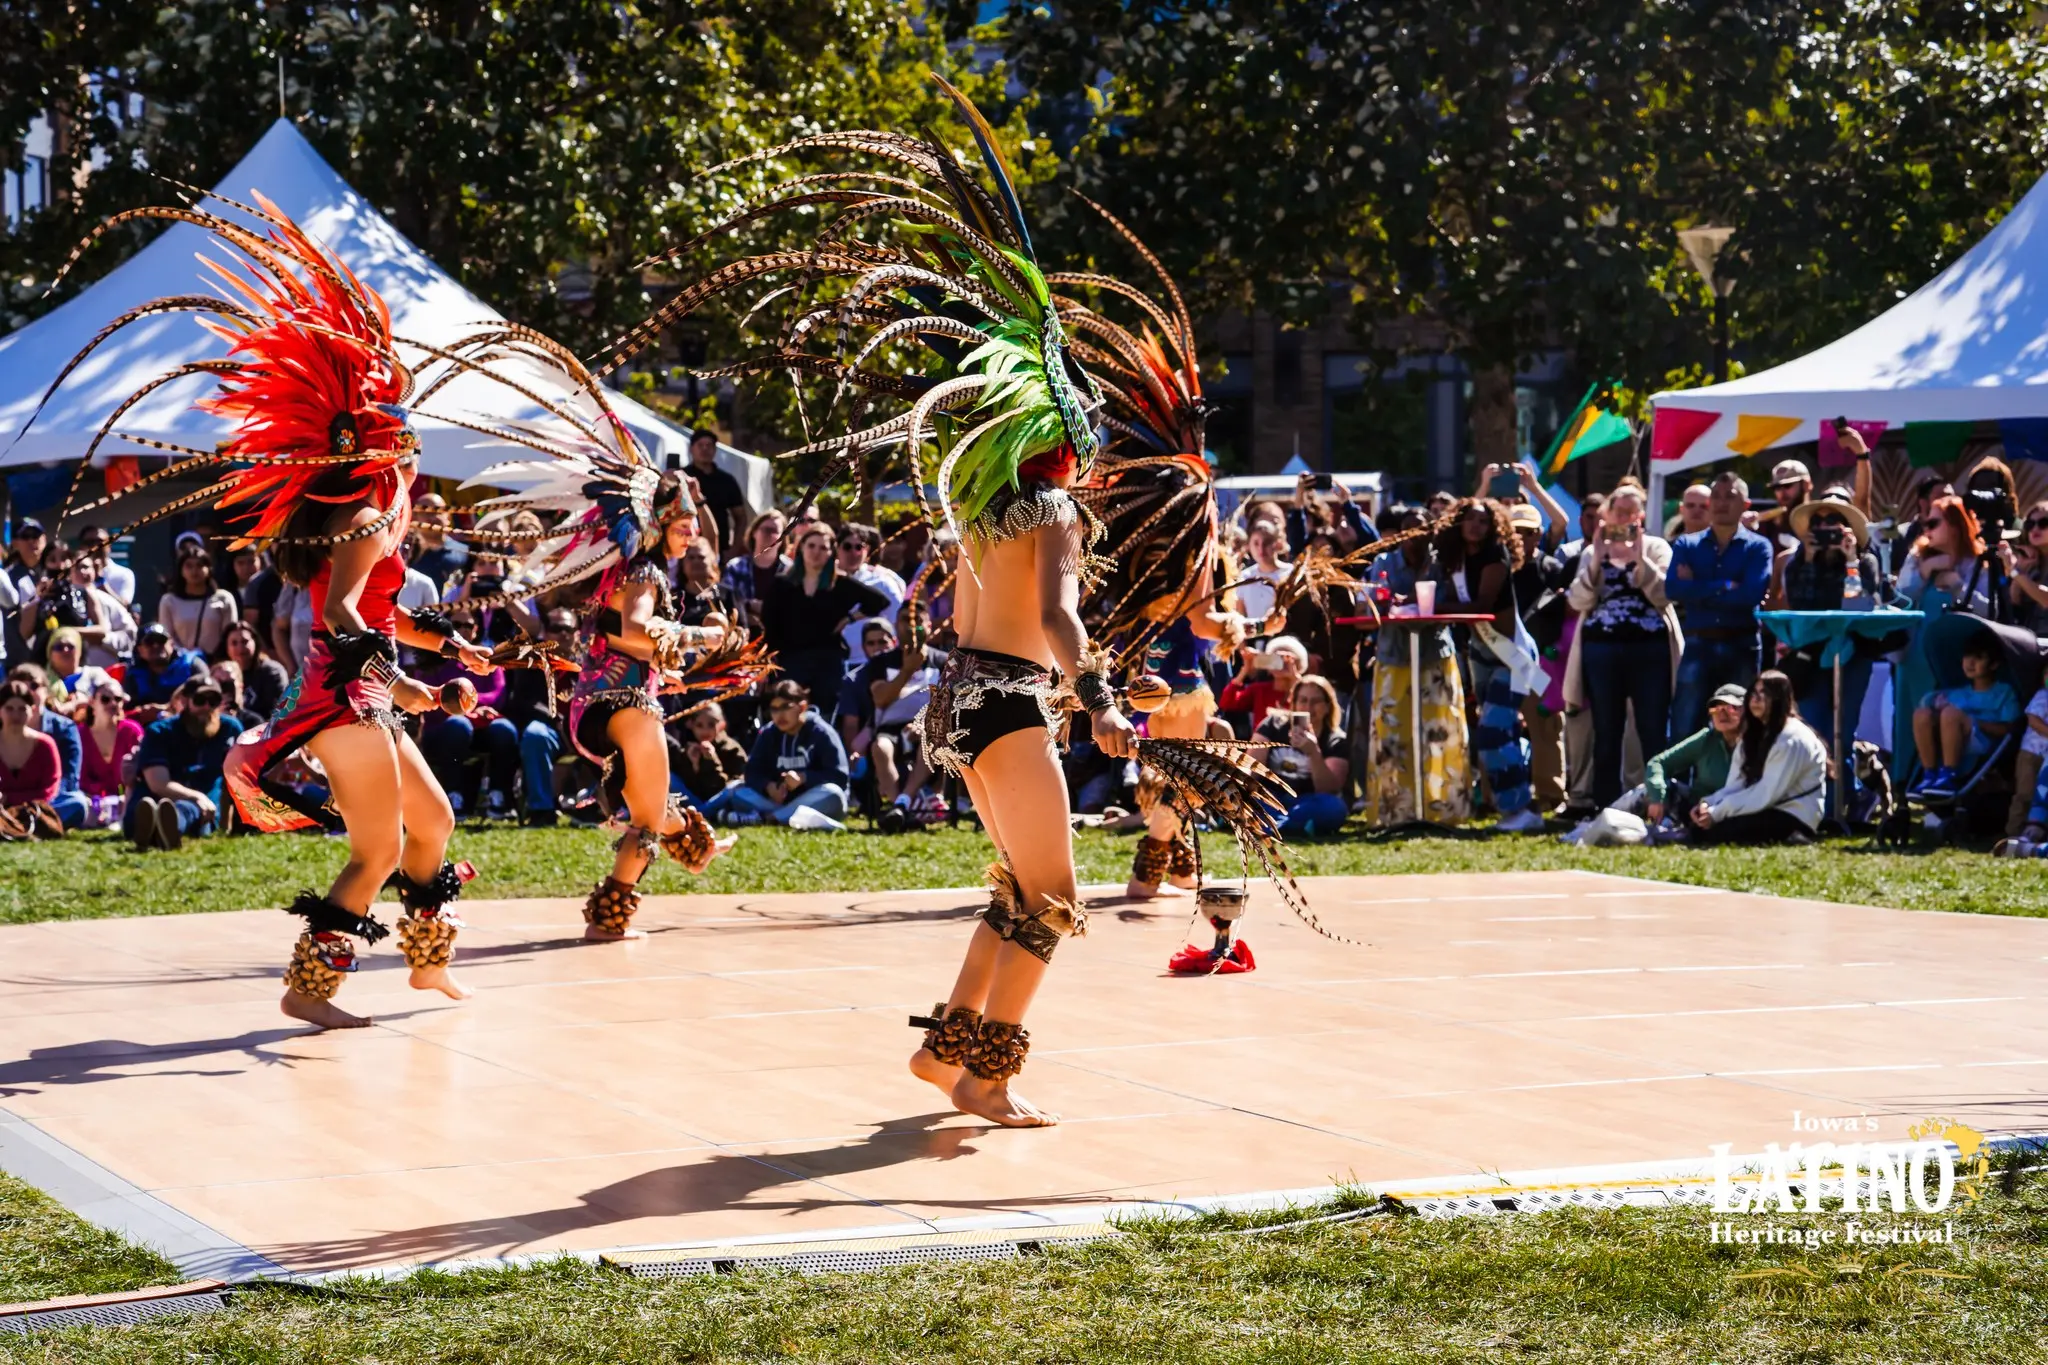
310 706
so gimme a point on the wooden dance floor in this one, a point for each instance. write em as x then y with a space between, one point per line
739 1073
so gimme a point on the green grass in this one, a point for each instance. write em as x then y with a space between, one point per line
94 875
45 1251
1566 1287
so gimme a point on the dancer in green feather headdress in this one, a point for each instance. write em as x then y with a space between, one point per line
960 329
950 293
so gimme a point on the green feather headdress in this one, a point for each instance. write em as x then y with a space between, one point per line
955 316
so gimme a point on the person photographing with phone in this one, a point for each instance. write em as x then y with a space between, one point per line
1832 570
1477 556
1310 751
1628 644
1515 481
1283 661
1323 504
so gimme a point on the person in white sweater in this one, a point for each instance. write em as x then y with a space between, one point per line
1773 794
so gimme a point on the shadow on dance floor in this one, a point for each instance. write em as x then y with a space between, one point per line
773 1185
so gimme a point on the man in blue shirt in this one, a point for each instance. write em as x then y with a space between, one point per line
179 786
797 761
1718 577
160 668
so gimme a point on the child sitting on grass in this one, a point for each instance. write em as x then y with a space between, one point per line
1955 728
712 760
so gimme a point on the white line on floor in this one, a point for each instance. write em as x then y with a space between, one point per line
1571 971
1778 1009
791 971
1535 919
1683 1076
834 1009
1476 896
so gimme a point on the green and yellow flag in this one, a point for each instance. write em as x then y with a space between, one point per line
1591 426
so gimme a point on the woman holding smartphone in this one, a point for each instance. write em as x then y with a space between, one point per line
1311 752
1625 654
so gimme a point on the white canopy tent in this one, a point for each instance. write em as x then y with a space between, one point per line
1969 345
425 304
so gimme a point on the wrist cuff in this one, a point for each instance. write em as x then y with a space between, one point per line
433 621
1094 692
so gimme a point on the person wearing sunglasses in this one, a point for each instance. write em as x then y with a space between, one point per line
1833 569
2026 565
71 678
180 784
856 550
107 737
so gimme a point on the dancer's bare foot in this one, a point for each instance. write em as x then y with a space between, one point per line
927 1067
993 1101
321 1014
1135 890
593 934
438 979
719 847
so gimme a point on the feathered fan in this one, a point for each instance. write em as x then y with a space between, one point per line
725 670
1219 776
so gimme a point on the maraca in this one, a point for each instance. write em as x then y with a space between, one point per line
1148 692
458 696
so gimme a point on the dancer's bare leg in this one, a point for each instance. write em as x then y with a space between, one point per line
977 971
1024 792
363 778
429 821
644 751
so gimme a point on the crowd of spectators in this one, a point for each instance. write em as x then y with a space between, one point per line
1597 671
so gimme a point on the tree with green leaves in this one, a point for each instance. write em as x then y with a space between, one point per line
1514 172
539 150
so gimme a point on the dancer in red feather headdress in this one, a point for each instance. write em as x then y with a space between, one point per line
319 471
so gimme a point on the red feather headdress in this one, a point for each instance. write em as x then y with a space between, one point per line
311 379
317 382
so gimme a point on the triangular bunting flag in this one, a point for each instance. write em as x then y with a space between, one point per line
1755 431
1673 430
1935 443
1590 427
1832 453
2026 438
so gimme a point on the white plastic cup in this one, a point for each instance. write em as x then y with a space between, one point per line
1425 599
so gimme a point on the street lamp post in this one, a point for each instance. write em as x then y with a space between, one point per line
1703 247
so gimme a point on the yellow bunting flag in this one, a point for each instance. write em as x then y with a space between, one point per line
1754 432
